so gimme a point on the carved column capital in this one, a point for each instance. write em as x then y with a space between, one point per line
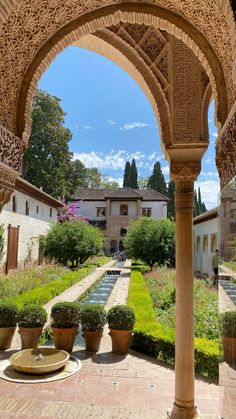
184 170
7 183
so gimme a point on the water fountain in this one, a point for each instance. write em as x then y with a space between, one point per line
39 361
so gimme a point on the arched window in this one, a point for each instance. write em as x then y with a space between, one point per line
26 207
198 244
124 209
205 243
14 204
113 246
213 242
123 232
101 212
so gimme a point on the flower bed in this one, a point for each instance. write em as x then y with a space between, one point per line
158 340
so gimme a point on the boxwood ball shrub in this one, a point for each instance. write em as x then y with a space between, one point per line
93 317
121 317
8 315
65 314
32 316
229 324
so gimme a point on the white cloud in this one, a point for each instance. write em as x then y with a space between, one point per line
132 125
210 175
88 127
110 122
208 160
165 170
209 192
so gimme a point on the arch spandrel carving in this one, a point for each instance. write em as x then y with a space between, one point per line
33 22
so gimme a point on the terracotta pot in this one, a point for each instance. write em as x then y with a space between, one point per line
64 338
6 336
229 345
120 341
92 340
30 337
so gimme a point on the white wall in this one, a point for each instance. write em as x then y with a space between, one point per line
159 209
203 257
31 226
89 208
132 207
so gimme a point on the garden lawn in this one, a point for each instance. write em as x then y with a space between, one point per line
39 285
231 265
156 337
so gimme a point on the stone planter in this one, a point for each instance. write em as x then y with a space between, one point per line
6 336
92 340
29 336
64 338
229 345
121 340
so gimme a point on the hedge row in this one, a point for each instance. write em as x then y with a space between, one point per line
153 338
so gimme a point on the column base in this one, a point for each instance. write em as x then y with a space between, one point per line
178 412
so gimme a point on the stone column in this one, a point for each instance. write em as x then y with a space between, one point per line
184 175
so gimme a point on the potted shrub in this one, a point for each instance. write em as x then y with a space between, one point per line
31 321
229 336
8 319
93 318
65 320
121 319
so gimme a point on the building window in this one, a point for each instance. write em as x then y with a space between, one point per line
113 246
14 204
205 243
50 212
213 242
146 212
26 207
198 244
37 209
124 210
123 232
101 212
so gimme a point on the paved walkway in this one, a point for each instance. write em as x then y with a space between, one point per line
108 386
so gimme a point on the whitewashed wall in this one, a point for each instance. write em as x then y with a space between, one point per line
31 226
203 256
159 209
89 208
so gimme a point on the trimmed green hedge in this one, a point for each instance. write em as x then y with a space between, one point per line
155 339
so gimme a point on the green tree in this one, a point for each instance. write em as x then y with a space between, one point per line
171 202
46 161
109 184
152 241
73 242
93 178
126 175
142 182
77 175
2 241
133 176
196 209
156 180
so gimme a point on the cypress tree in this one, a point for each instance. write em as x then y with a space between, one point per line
171 203
199 199
133 176
157 180
196 209
126 175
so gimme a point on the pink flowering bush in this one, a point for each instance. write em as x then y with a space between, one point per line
70 213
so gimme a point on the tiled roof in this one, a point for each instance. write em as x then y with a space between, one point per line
120 193
206 216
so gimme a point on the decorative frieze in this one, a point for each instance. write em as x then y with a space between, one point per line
7 183
184 170
11 150
226 150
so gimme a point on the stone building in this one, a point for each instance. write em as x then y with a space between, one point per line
25 218
227 214
182 53
112 210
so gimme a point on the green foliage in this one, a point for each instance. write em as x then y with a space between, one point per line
8 314
231 265
109 184
229 324
156 180
133 176
73 242
47 158
199 206
157 339
32 316
161 285
1 241
152 241
121 317
65 314
38 296
93 317
126 175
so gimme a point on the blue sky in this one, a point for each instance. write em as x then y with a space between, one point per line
112 120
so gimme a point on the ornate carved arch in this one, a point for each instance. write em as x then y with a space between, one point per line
36 25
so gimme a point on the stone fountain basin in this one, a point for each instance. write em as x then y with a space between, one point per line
39 361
